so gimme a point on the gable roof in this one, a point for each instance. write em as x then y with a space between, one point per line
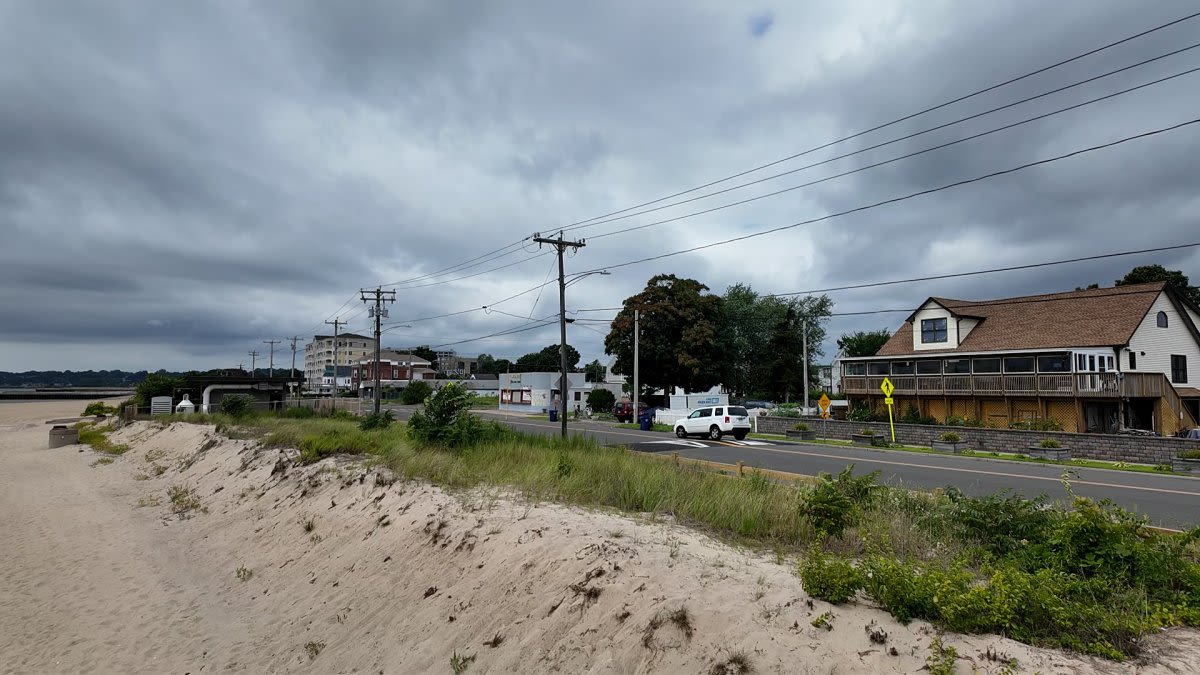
1099 317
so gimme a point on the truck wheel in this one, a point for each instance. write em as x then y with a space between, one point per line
680 433
714 433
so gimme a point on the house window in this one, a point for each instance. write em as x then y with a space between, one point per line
577 396
902 367
1162 319
929 367
933 330
878 368
1054 364
1018 364
958 366
855 369
1178 369
1133 360
986 366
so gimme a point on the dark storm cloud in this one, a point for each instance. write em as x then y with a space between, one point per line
207 176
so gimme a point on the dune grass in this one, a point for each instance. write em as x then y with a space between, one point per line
98 440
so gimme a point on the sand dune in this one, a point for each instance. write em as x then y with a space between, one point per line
398 577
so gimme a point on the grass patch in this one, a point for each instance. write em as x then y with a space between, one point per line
243 573
148 500
653 427
102 462
313 649
98 440
184 500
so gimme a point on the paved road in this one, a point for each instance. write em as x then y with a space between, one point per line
1170 501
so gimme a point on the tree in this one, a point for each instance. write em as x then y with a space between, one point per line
594 371
425 352
785 349
601 400
743 340
485 364
863 342
416 392
547 360
679 335
156 384
1175 280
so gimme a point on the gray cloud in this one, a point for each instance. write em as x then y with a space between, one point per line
193 180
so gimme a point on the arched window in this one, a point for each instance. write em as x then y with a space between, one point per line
1162 319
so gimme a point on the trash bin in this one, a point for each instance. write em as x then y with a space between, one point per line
61 435
644 423
554 414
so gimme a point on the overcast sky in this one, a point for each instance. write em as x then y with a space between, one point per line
181 181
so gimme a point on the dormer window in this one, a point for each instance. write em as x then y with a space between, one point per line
933 330
1162 319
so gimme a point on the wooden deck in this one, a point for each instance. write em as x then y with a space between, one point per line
1067 385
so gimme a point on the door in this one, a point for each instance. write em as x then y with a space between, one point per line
697 422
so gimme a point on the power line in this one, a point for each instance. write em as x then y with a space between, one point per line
912 195
898 120
498 334
514 246
899 158
904 138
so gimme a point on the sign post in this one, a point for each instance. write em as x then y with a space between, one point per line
887 388
823 404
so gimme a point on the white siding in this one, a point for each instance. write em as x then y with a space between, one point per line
932 311
1160 343
965 326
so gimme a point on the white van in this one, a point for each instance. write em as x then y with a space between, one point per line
714 422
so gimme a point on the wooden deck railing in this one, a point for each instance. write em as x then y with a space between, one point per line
1089 385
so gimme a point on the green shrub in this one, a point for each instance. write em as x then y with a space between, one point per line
1037 424
830 578
1190 454
318 446
98 408
156 384
416 392
446 422
601 400
950 437
900 587
379 420
800 426
833 504
1049 444
859 413
999 522
237 405
866 431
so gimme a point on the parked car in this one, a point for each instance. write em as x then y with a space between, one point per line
623 410
766 405
715 422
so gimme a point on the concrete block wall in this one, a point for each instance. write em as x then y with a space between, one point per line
1139 449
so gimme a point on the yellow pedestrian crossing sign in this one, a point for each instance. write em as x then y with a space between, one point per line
887 387
824 403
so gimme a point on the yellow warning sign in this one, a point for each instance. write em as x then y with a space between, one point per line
889 400
887 387
824 403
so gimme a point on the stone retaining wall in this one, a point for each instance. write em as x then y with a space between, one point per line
1140 449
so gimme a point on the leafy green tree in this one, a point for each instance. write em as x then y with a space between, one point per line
425 352
863 342
601 400
156 384
785 350
546 360
594 371
1175 280
743 340
485 364
679 343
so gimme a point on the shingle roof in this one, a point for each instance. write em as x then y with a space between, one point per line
1101 317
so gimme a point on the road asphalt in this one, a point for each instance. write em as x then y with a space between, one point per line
1168 501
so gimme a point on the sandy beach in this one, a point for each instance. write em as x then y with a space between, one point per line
268 567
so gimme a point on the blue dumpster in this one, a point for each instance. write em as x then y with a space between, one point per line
554 414
644 423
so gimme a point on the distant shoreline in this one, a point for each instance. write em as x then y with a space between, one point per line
65 394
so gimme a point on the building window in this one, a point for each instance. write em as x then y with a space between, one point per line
902 367
1178 369
955 366
985 366
878 368
1054 364
929 367
855 369
1018 364
1162 319
577 398
933 330
1133 360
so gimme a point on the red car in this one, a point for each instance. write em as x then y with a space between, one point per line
623 410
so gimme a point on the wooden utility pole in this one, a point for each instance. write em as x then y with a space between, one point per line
271 367
253 358
564 385
335 323
378 296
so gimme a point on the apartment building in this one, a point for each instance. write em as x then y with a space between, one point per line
320 370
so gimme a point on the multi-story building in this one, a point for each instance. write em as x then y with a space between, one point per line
1098 360
451 363
319 368
396 370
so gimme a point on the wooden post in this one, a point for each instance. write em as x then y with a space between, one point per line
741 468
675 457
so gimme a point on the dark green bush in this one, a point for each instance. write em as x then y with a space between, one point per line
829 578
156 384
237 405
1190 454
298 413
98 408
447 422
379 420
859 414
416 392
900 588
601 400
999 522
1049 444
835 503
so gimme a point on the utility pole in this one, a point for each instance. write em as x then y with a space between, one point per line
380 296
637 394
335 323
564 385
271 367
805 324
294 339
253 358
